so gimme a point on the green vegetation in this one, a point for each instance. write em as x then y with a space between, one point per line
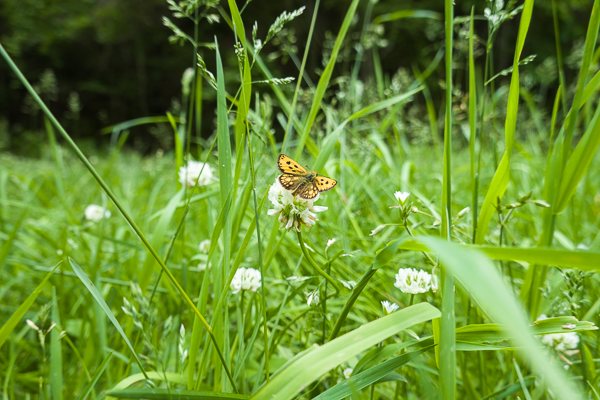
191 274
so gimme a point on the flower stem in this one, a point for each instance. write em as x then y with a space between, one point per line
316 266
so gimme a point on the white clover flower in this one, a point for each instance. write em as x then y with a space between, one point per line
561 342
389 307
347 373
293 211
204 246
196 173
401 196
412 281
246 279
312 298
330 243
96 213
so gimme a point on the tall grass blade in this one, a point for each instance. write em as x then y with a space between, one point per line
501 177
485 285
56 358
325 78
446 352
10 324
97 296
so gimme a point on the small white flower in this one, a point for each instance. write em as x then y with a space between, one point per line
389 307
293 211
196 173
412 281
204 246
561 342
246 279
330 242
377 229
401 196
312 298
96 213
463 212
347 373
348 284
32 325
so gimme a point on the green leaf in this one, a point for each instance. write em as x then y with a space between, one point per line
9 326
485 285
312 364
97 296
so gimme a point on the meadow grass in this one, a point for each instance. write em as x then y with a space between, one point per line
129 306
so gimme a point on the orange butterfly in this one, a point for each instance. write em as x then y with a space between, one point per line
303 183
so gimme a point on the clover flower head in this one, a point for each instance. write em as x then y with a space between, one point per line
293 212
96 213
246 279
388 306
196 173
204 246
413 281
561 342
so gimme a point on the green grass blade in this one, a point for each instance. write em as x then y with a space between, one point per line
325 78
368 377
10 324
97 296
312 364
576 259
579 162
473 144
446 352
501 177
99 372
484 284
171 394
56 358
402 14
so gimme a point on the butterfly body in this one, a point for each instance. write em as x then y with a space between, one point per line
300 181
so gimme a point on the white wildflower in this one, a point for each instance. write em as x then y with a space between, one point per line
312 298
348 284
246 279
204 246
330 243
293 211
561 342
377 229
389 307
96 213
410 280
196 173
347 373
401 196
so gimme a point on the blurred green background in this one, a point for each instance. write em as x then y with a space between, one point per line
97 63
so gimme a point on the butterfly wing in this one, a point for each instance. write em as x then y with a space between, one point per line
288 166
323 183
307 190
290 181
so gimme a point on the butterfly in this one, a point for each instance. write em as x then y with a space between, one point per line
303 183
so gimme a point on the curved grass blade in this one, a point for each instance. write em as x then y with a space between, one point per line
312 364
482 282
172 394
368 377
107 311
8 327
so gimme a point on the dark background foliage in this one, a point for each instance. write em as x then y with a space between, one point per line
97 63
